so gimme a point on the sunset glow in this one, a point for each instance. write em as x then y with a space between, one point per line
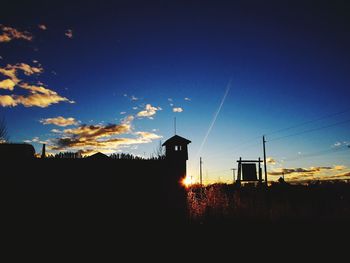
111 77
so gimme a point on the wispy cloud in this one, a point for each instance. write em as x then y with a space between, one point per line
187 99
69 33
8 34
270 160
133 98
340 144
312 173
56 131
339 167
310 170
149 111
60 121
178 109
36 140
148 135
42 27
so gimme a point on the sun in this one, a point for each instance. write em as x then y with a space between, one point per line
187 181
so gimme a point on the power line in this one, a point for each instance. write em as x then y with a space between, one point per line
308 122
319 153
310 130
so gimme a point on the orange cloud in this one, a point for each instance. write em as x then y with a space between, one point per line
339 167
10 71
86 132
39 95
27 69
35 100
8 84
103 138
9 33
59 121
7 101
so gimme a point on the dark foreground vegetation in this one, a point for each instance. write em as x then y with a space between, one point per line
319 202
121 195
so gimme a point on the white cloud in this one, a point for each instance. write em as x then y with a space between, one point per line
133 98
42 27
187 99
69 33
56 131
178 109
149 111
148 135
128 119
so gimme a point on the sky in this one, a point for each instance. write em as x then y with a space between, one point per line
109 76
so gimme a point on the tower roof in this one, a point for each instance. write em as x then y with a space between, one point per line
176 140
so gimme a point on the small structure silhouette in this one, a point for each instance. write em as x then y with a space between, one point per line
16 151
43 151
247 171
98 156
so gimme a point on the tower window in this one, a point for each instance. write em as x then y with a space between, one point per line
176 148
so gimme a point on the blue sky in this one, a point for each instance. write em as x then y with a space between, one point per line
287 62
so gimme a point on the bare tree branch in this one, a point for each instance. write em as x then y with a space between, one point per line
4 137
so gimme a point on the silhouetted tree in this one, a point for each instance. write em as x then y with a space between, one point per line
159 151
68 155
3 131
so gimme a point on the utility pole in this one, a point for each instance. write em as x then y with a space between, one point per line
200 171
43 151
265 167
233 174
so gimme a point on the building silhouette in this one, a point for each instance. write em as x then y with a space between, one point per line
153 186
16 151
176 154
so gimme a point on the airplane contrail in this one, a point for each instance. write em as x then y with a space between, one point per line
228 87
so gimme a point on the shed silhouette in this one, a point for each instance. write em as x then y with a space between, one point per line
16 151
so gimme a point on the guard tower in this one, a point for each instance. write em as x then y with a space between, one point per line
176 154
